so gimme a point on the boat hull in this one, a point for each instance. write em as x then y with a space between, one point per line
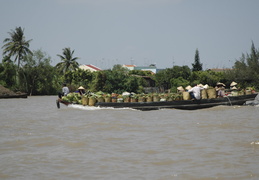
182 104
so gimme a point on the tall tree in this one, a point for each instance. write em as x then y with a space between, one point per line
197 66
38 75
68 62
16 45
7 72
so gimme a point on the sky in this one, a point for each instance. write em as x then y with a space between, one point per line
139 32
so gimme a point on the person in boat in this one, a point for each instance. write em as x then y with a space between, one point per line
220 89
180 89
81 90
195 92
233 86
65 91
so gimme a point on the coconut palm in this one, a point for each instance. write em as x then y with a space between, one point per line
16 45
68 62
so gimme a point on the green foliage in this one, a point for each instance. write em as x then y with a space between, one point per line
197 66
176 82
68 62
246 70
207 77
38 75
164 78
16 45
78 78
140 73
7 73
98 82
120 69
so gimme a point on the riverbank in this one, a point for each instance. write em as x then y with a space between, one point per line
7 93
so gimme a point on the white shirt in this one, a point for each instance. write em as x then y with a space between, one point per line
65 90
196 92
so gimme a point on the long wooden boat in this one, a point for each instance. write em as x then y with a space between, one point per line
181 104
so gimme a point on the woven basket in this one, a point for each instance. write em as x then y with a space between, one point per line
92 101
211 93
85 101
204 94
186 96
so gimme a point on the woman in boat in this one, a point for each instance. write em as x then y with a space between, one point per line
81 90
220 89
233 86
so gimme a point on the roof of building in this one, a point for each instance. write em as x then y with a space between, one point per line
124 65
90 66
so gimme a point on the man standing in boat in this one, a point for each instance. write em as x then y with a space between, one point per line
65 91
195 92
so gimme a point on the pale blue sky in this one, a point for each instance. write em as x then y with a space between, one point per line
140 32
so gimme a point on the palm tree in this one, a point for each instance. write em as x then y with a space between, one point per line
16 45
68 62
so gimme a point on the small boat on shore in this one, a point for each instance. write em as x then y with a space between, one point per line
8 96
176 104
6 93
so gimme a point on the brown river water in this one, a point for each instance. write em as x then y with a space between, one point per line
39 141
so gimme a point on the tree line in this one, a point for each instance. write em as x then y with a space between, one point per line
30 71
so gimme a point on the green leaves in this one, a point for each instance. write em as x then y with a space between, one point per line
68 62
197 66
16 45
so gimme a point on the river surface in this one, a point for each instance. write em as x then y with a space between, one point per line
39 141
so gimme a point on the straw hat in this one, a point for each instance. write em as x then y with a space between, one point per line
220 84
180 88
188 87
206 86
234 88
233 84
200 85
81 87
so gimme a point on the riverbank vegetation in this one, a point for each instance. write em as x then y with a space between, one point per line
31 71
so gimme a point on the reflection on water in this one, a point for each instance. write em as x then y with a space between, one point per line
39 141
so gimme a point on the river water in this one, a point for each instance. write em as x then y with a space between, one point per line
39 141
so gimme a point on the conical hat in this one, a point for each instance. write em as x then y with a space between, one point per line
220 84
206 86
81 87
188 87
233 84
180 88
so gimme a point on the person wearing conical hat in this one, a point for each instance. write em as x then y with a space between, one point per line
81 90
180 89
233 86
188 87
206 86
220 89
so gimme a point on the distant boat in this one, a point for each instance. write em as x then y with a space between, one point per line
177 104
7 96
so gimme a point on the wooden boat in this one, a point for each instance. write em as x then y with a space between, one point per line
7 96
181 104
